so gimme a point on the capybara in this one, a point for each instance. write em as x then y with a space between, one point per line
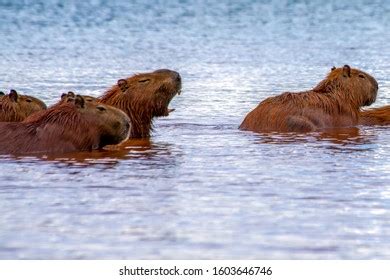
375 116
334 102
143 97
16 107
69 127
68 97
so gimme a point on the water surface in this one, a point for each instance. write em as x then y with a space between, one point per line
199 188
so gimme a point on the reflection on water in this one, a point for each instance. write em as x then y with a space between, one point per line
347 139
199 188
109 156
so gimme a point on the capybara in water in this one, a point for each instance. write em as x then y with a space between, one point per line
375 116
143 97
334 102
69 127
69 97
16 107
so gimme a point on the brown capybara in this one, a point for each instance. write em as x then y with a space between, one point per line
143 97
15 107
68 97
375 116
69 127
334 102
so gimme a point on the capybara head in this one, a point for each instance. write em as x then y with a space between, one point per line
17 107
355 85
113 124
143 97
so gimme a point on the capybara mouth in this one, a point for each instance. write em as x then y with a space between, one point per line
126 132
168 92
168 111
116 138
370 101
374 94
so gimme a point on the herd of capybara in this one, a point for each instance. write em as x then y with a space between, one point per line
127 109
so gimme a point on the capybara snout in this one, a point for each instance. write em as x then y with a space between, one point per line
113 123
175 76
116 124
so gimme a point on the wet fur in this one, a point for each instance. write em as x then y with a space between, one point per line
17 111
65 128
143 101
334 102
375 116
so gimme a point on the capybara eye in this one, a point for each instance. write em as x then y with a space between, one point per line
101 108
144 80
28 100
362 76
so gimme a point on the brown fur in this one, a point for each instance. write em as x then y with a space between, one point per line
15 107
143 97
69 127
65 97
375 116
334 102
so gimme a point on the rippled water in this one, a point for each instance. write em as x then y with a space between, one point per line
199 188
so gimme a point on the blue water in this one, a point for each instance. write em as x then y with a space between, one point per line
199 188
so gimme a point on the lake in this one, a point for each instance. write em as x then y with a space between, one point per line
199 188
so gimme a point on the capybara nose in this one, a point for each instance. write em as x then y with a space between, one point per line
178 77
174 74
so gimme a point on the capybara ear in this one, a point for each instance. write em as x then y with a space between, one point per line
346 71
71 94
63 96
13 95
333 68
79 101
122 84
2 93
